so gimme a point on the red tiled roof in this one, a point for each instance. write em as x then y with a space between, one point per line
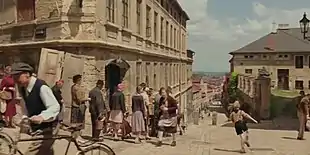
196 88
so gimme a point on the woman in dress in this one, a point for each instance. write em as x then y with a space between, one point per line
7 84
118 109
168 117
138 114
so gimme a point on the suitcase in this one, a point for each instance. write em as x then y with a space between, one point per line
126 129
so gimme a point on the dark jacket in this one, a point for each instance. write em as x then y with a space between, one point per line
97 105
138 103
117 101
172 106
57 93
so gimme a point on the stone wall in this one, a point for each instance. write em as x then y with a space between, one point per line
255 94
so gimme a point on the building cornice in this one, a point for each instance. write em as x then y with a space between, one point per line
88 43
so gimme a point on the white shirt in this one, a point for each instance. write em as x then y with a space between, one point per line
48 99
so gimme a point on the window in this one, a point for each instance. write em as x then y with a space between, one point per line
309 61
139 16
171 35
111 10
248 71
138 73
246 56
25 10
167 33
299 62
148 21
155 26
309 84
175 38
162 30
299 84
147 80
125 13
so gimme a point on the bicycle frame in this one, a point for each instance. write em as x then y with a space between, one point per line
58 137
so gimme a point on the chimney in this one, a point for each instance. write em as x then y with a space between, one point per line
274 27
270 40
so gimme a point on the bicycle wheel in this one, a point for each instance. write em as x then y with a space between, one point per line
5 144
97 149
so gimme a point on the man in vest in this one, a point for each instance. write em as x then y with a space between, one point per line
40 104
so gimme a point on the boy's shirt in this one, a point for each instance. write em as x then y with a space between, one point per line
238 116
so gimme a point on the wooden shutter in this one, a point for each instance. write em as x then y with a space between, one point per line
25 10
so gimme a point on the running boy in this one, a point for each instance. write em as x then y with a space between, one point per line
237 116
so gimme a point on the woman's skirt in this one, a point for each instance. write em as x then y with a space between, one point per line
116 116
137 122
168 124
10 108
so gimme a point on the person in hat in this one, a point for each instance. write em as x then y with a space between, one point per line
118 110
41 106
238 118
98 108
302 113
58 94
7 84
146 99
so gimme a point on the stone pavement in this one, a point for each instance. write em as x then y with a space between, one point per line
205 139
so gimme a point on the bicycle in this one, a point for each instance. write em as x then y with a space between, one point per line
74 130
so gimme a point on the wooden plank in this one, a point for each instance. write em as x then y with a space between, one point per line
73 65
50 65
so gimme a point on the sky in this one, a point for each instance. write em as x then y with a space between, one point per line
218 27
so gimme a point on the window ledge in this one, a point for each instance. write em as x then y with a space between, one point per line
126 30
137 35
113 25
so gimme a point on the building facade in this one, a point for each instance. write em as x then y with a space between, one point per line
283 53
61 38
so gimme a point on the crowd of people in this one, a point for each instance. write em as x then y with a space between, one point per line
153 114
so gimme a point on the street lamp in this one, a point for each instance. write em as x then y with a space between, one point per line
304 25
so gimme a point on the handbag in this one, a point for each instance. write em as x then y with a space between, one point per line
6 95
2 106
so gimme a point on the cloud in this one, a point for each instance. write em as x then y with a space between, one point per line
213 39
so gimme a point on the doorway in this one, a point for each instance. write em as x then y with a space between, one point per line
112 76
115 72
283 79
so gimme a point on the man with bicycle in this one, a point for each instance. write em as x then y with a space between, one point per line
40 104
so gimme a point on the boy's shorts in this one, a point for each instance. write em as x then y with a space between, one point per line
240 127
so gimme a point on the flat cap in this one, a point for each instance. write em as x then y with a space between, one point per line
20 67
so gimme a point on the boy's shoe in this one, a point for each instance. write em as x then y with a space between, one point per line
247 144
242 151
173 144
159 143
299 138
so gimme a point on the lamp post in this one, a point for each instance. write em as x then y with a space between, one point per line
304 25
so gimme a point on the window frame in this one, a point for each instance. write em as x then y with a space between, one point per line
111 11
302 62
297 83
138 14
125 13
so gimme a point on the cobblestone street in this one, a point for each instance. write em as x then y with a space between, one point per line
205 139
